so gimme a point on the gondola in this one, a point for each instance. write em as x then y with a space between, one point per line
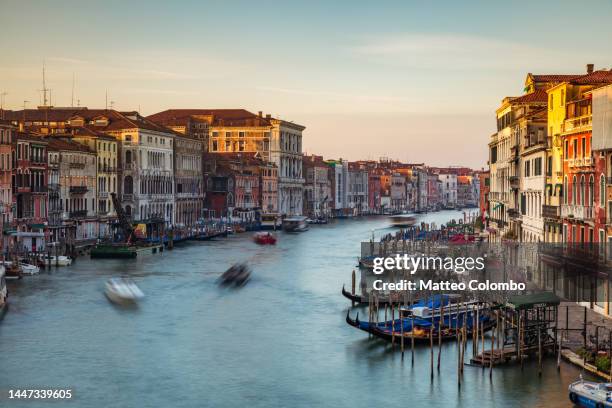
363 300
424 324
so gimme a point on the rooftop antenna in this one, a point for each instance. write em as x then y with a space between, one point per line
2 95
72 94
44 89
106 99
25 103
112 103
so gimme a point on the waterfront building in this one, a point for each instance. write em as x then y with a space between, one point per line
484 177
241 181
374 192
238 130
269 188
188 182
6 172
317 187
56 230
338 176
582 222
357 194
449 189
29 186
398 192
434 192
602 147
505 159
531 132
77 191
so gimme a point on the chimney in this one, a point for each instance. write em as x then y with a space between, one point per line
260 114
268 116
590 68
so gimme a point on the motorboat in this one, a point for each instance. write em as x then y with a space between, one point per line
295 224
122 290
237 275
3 289
271 221
590 394
29 269
264 238
60 260
402 220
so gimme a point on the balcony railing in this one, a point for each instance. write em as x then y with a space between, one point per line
576 124
76 165
579 212
78 214
39 189
550 211
103 194
514 213
78 189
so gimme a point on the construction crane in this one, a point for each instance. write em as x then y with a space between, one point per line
124 223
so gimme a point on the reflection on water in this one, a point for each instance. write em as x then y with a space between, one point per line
279 341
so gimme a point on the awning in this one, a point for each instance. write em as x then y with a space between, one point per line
28 234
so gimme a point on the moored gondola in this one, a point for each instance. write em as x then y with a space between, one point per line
413 323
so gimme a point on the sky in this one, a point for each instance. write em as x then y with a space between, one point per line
408 80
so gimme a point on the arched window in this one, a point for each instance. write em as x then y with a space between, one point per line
590 199
565 192
128 157
582 191
128 185
602 191
574 190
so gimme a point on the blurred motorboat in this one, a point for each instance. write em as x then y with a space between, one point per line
122 290
237 275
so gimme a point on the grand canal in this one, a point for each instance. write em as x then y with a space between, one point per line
279 341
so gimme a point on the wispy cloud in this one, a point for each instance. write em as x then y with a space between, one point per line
456 52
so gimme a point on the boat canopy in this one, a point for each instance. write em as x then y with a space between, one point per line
533 300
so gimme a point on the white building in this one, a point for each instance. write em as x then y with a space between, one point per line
286 153
449 190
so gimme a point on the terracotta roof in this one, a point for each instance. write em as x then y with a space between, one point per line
539 95
62 144
554 77
219 117
596 77
116 120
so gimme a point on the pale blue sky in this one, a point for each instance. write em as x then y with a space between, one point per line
401 79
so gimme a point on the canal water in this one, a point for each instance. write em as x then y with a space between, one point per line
279 341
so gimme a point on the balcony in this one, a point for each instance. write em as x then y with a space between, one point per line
78 214
578 124
39 189
77 165
128 197
578 212
550 211
514 214
103 194
78 189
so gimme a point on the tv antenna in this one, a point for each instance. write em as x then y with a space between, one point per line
44 89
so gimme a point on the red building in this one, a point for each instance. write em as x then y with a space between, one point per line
29 185
485 181
6 173
374 192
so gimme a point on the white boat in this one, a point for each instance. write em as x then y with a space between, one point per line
29 269
3 290
271 221
295 224
60 260
590 394
402 220
120 290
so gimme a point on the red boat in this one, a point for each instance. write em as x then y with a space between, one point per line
264 238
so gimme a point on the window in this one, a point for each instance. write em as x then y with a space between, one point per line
602 191
215 146
584 147
550 102
527 168
562 100
575 147
566 149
